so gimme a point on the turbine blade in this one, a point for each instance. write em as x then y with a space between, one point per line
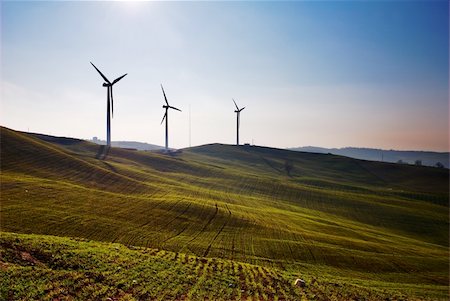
164 117
235 105
119 78
174 108
241 109
104 77
165 98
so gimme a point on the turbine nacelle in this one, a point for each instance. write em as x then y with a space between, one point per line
167 106
237 108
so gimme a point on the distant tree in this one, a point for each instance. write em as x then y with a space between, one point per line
418 162
439 165
288 166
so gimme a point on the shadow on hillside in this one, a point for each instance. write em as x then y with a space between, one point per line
271 165
110 167
102 152
56 140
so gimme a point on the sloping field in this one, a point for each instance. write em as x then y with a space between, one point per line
36 267
376 225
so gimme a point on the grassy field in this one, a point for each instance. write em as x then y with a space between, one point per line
363 230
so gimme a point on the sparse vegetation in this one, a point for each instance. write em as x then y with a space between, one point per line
439 165
39 267
216 215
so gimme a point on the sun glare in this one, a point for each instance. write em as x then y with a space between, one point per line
131 5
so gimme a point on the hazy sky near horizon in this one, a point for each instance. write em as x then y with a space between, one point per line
330 74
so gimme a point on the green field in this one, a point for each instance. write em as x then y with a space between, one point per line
217 222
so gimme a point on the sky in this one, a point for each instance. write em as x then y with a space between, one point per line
327 73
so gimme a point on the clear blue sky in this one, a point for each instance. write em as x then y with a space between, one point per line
331 74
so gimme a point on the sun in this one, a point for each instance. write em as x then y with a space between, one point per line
131 5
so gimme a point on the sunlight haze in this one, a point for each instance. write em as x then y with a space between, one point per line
330 74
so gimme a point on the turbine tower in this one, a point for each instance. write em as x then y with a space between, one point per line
166 117
109 103
238 112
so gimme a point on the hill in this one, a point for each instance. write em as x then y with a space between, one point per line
408 157
129 144
380 226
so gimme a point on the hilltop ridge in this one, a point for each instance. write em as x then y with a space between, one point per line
428 158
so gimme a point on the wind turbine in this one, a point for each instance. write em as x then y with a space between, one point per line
238 112
166 117
109 103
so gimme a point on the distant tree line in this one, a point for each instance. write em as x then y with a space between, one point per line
419 163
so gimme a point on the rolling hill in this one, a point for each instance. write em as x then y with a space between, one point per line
378 230
407 157
129 144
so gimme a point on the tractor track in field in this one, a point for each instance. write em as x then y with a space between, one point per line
111 167
173 236
179 215
229 211
161 195
206 225
208 249
312 254
290 251
179 233
169 209
156 204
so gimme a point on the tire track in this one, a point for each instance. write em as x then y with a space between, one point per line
218 233
177 234
182 213
169 209
206 225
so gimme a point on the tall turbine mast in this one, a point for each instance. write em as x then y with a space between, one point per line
166 116
109 102
238 116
